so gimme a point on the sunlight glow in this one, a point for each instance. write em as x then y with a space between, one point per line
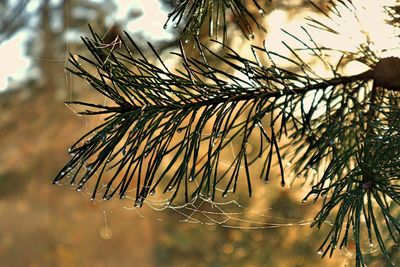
150 24
14 63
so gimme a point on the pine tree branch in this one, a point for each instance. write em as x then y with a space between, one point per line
217 14
155 136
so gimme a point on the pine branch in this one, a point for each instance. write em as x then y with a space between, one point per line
217 14
155 135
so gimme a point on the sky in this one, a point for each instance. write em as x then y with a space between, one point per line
15 65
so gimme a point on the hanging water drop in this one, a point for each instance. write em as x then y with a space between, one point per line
152 192
320 252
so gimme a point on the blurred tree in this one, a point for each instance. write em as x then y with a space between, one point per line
169 130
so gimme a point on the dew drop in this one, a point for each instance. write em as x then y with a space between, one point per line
90 167
320 252
105 233
225 194
79 189
283 183
304 200
152 192
165 26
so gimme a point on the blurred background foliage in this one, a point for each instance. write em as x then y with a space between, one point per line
47 225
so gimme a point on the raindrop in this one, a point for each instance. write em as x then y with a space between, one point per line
304 200
283 183
320 252
105 233
152 192
261 11
225 194
165 26
89 167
